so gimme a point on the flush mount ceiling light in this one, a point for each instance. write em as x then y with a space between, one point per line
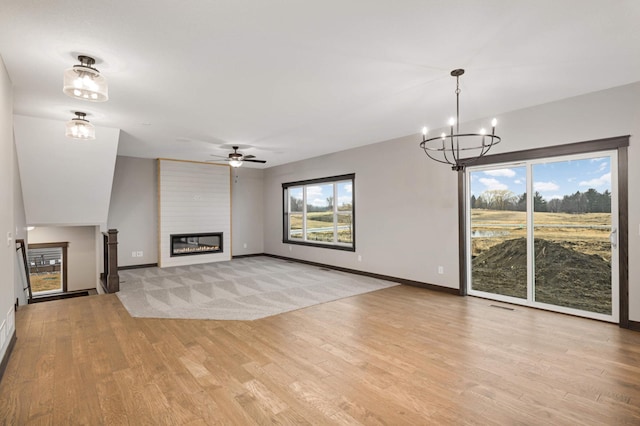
80 128
459 149
85 82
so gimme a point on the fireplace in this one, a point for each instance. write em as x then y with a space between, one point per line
191 244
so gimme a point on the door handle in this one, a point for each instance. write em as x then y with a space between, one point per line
614 238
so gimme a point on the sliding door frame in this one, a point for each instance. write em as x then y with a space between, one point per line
619 143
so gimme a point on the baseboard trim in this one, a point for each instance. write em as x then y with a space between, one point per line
7 354
60 296
404 281
634 325
241 256
146 265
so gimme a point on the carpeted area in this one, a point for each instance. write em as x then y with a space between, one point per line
242 289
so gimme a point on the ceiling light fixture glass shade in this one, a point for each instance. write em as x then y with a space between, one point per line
235 163
459 149
80 128
85 82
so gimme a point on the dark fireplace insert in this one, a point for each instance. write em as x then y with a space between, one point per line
190 244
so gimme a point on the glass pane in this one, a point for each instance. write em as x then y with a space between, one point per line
295 199
345 228
295 226
320 212
572 224
45 269
498 206
345 196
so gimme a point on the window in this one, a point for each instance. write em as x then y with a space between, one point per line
320 212
536 161
543 233
48 267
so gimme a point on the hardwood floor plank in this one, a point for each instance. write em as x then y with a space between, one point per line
402 355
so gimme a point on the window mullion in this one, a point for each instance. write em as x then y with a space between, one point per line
304 213
335 213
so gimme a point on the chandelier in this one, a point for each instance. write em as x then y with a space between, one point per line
80 128
455 148
85 82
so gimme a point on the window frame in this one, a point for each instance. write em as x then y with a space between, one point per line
286 209
619 143
63 266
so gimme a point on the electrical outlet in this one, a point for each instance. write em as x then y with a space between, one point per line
359 258
134 254
441 270
139 254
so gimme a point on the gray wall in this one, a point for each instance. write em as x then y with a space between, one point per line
247 207
134 213
406 204
134 210
405 210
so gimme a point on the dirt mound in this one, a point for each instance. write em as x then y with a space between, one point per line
564 276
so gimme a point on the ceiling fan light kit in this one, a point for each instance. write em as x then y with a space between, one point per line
84 82
80 128
459 149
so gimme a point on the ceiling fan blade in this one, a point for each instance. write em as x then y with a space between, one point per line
254 161
246 157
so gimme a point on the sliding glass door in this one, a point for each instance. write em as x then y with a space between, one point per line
543 233
498 231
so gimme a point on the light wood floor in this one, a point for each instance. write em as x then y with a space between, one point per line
397 356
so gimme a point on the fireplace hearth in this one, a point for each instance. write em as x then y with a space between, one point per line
192 244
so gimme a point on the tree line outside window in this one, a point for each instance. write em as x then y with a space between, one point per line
590 201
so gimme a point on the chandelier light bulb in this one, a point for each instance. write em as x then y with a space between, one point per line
424 131
452 121
483 131
443 136
494 122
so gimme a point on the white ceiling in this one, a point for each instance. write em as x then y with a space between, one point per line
293 79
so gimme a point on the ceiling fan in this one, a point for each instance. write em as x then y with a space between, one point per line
236 159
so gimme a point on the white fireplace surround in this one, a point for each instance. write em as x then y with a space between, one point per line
193 198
